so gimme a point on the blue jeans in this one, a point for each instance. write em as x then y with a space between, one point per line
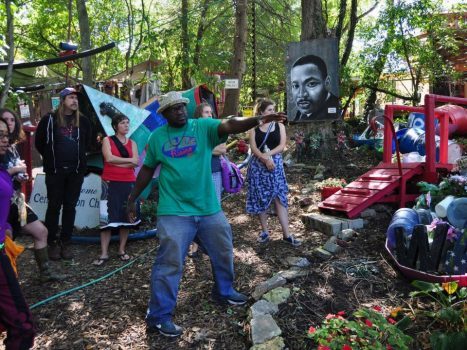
175 235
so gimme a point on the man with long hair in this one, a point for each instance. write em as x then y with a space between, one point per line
62 138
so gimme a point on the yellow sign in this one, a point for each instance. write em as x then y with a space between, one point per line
247 112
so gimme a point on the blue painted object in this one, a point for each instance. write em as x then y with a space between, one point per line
404 218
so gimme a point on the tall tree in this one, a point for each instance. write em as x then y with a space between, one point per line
185 54
85 40
313 25
237 64
10 54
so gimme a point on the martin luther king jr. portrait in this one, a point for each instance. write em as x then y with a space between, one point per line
312 84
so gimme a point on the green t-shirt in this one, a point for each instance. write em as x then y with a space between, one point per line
185 181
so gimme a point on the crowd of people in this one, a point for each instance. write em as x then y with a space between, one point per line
188 209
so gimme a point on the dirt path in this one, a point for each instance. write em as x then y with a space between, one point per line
110 314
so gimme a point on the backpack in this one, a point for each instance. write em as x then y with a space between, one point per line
232 178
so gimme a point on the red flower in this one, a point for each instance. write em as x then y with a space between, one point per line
346 347
329 316
341 313
311 330
322 347
377 308
388 347
391 320
368 323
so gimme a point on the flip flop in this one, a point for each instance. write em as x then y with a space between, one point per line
124 256
100 261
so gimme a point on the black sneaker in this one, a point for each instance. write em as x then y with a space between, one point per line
168 329
235 298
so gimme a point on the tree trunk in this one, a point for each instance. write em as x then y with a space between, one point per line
340 22
313 26
237 65
200 33
379 64
185 69
85 40
11 53
353 25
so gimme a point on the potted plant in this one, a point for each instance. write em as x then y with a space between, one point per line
329 186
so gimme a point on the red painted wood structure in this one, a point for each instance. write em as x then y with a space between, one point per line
390 182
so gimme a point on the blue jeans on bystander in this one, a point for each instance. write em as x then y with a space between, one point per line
175 235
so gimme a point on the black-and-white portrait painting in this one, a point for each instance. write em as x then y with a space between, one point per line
312 80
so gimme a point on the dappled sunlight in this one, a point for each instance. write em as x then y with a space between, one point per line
247 256
239 219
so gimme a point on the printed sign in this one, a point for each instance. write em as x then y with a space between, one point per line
24 110
87 208
231 83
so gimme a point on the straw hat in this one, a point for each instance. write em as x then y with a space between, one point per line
170 99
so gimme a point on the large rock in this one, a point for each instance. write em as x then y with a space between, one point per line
264 328
263 307
330 225
276 343
297 261
293 273
273 282
278 295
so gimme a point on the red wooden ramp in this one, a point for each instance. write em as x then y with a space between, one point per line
381 184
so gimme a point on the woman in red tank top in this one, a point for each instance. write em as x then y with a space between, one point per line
120 158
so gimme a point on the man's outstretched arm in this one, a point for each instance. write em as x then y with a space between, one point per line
144 177
237 125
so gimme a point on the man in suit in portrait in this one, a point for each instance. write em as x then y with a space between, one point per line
311 90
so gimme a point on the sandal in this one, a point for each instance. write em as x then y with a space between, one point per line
100 261
124 256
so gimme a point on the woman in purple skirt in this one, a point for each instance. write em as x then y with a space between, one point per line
266 177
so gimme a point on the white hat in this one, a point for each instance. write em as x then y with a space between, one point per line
170 99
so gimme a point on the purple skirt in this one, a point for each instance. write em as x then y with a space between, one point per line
264 185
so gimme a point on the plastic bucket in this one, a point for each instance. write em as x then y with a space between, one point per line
417 120
404 218
441 208
457 119
457 213
408 141
424 216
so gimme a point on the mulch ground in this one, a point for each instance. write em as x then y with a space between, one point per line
110 314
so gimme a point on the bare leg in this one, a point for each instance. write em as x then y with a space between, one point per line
263 219
123 238
283 216
105 241
38 232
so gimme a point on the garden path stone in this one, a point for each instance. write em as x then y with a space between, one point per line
276 343
264 328
331 246
273 282
297 261
293 273
278 295
321 253
263 307
347 234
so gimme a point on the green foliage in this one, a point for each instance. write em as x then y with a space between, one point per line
368 329
148 211
448 313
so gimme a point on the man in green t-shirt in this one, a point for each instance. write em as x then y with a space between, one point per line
188 206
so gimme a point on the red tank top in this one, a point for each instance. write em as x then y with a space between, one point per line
112 172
